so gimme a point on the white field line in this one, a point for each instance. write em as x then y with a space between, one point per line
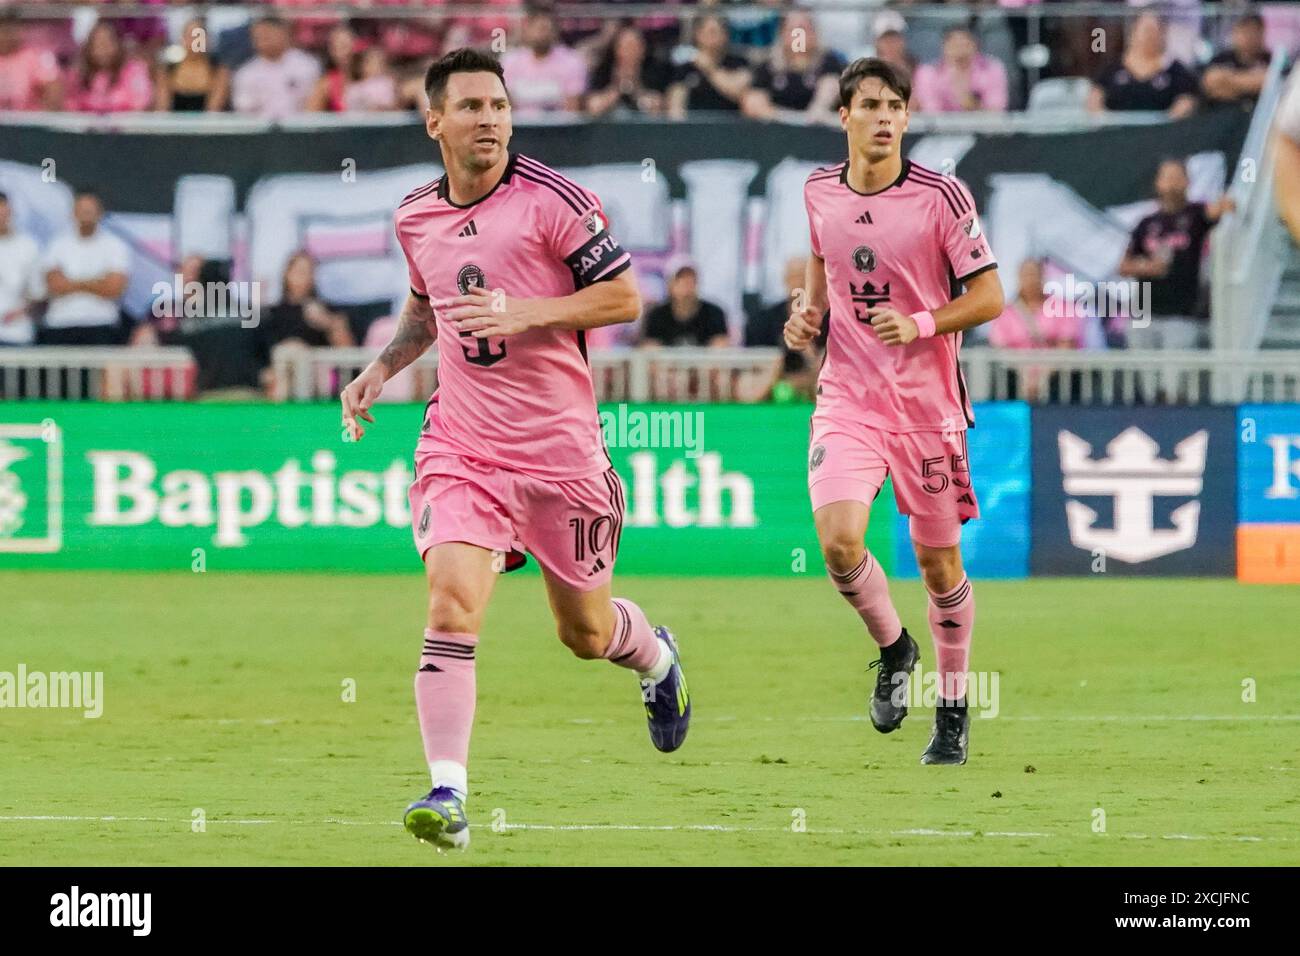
859 718
652 828
975 713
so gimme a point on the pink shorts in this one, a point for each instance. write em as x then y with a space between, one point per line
932 483
571 527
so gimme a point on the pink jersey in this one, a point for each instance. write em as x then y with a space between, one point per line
525 401
902 245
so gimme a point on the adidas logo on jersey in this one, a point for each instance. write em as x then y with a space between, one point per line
865 219
469 230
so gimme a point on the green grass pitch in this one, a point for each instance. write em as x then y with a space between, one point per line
225 693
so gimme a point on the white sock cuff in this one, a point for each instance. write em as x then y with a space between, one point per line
450 774
663 664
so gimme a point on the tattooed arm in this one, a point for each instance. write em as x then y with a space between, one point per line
415 333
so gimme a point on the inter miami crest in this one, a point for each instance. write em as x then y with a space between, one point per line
593 224
469 277
972 228
864 259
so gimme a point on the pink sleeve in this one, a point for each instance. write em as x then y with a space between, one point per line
1002 330
962 234
1071 325
923 83
576 82
993 85
134 91
579 237
45 67
418 285
813 239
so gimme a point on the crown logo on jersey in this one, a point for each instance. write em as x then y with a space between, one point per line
469 230
868 295
865 219
864 259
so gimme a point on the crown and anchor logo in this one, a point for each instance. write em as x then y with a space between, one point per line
1134 474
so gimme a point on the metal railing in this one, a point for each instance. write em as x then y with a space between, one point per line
300 374
1130 377
104 373
1248 249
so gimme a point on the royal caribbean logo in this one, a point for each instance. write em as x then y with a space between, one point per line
31 488
1134 475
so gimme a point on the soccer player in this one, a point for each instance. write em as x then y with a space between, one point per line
893 243
510 263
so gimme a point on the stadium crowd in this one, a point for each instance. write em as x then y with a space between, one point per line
778 64
770 61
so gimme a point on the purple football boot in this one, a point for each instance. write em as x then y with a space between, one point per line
439 819
668 702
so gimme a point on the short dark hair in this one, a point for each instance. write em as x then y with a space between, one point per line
867 67
85 193
464 60
272 20
1250 19
4 197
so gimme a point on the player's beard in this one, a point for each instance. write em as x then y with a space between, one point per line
474 160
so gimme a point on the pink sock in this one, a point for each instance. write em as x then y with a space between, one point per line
444 695
952 618
634 645
866 588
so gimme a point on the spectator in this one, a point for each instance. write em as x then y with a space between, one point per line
964 80
592 35
1035 321
627 79
85 275
354 81
230 357
1236 75
1286 174
192 81
891 46
684 318
300 319
301 316
107 80
29 74
278 80
800 84
543 75
162 325
765 328
1145 79
715 78
20 284
1165 250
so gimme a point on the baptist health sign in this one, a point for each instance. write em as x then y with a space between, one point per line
31 488
1268 494
271 487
